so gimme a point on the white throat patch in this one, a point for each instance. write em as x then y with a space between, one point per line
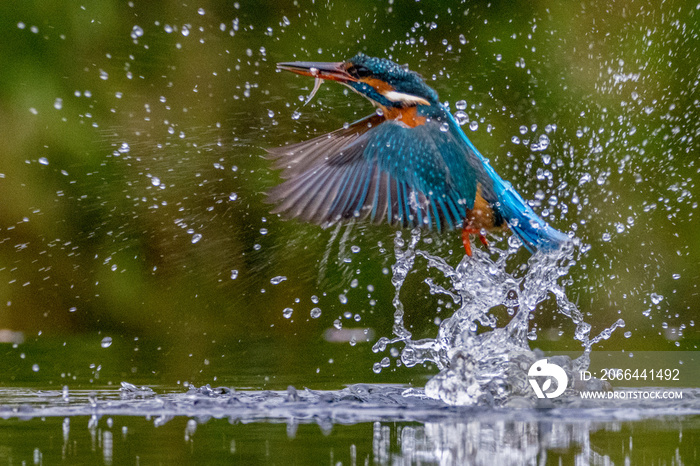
405 98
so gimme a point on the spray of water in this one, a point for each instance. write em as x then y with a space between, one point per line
481 362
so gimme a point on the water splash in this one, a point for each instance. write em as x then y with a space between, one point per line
481 362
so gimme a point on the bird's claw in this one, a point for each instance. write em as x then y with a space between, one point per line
465 239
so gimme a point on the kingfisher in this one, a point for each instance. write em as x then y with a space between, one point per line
408 164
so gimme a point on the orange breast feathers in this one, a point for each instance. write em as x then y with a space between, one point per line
408 116
481 215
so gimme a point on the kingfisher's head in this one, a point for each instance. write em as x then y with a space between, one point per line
385 83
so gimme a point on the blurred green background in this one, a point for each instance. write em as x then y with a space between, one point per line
135 241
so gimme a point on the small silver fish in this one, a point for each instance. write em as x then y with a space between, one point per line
317 86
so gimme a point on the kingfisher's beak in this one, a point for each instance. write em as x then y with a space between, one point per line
320 70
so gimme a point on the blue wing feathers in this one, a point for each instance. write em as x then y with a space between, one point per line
419 213
371 180
366 180
436 215
400 202
349 195
382 169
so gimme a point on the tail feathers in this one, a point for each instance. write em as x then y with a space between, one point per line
539 235
524 222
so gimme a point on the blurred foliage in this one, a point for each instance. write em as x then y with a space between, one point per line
127 127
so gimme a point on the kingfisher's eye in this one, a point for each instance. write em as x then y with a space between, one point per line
359 71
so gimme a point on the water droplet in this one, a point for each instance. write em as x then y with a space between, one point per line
72 309
234 274
461 105
628 334
43 160
136 32
58 103
314 299
278 279
656 298
155 181
35 367
337 324
296 114
462 39
343 299
201 11
461 117
315 313
474 125
287 312
196 237
232 197
444 127
286 21
523 129
106 342
606 237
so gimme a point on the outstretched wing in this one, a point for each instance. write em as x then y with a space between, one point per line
379 170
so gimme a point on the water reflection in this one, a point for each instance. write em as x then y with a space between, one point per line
478 442
526 442
476 439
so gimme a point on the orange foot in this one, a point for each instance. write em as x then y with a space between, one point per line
466 231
